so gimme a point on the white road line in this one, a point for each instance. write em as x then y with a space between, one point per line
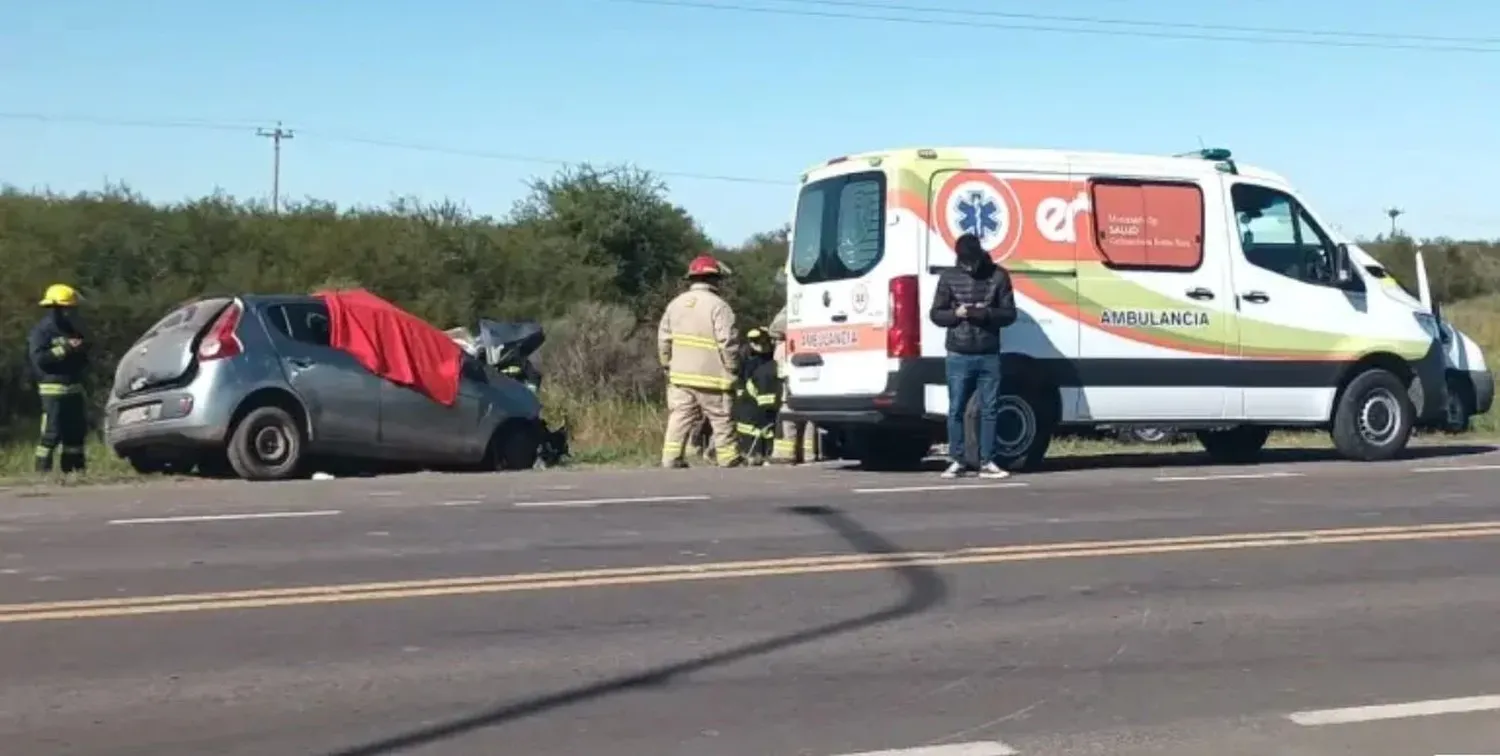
1395 711
987 748
224 517
1454 468
459 503
597 502
944 487
1227 476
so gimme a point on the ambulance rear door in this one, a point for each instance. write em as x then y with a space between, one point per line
837 292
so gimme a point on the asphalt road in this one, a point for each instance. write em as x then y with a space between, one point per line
1122 607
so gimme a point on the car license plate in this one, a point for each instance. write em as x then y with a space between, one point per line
133 415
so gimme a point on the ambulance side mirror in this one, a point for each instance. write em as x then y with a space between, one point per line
1343 273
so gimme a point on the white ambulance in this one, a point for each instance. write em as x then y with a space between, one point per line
1188 290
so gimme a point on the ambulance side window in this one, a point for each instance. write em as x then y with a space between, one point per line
1148 225
1276 233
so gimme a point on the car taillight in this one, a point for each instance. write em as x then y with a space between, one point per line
220 342
903 337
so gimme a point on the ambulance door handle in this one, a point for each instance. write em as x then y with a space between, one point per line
1200 293
840 317
1258 297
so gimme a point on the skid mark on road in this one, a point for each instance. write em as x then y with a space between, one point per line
686 573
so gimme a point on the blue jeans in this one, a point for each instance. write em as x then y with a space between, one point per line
969 374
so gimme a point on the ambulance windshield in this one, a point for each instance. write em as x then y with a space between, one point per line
839 231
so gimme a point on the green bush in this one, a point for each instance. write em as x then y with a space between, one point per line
595 253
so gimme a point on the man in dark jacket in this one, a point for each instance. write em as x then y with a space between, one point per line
973 301
59 358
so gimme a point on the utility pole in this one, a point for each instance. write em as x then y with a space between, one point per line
1394 213
275 135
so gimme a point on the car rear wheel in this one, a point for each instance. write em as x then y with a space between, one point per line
1456 415
267 445
891 450
1241 444
515 446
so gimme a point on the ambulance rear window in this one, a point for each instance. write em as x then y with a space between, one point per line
839 232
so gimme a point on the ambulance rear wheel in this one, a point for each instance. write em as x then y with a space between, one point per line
1374 416
1024 425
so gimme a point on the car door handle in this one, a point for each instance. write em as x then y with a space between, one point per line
299 362
1200 293
840 317
1258 297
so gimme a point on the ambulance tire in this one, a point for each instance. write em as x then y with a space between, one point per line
1026 423
1373 418
890 450
1240 445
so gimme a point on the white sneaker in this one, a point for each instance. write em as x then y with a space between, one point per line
993 471
955 470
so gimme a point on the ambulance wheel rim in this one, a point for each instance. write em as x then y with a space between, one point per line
1380 418
1015 426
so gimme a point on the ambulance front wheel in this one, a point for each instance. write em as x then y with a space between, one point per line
1373 418
1024 426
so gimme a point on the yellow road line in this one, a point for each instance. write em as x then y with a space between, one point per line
338 594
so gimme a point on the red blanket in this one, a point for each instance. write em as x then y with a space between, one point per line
394 344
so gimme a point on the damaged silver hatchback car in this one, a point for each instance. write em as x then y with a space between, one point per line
253 384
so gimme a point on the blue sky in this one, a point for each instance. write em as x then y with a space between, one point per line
719 92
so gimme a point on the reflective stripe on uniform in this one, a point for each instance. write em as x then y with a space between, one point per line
751 429
59 389
73 450
694 342
761 400
59 351
704 382
727 455
44 451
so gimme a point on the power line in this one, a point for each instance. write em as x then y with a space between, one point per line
189 124
1101 21
333 137
1165 33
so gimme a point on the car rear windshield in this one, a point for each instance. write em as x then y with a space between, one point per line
839 231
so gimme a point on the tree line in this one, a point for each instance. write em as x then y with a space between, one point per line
593 252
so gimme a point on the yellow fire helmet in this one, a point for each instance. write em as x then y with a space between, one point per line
60 295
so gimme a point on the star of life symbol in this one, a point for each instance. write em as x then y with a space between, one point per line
977 209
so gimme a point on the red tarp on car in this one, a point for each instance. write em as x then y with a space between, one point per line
393 343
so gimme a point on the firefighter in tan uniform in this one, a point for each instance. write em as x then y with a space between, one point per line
793 438
698 344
